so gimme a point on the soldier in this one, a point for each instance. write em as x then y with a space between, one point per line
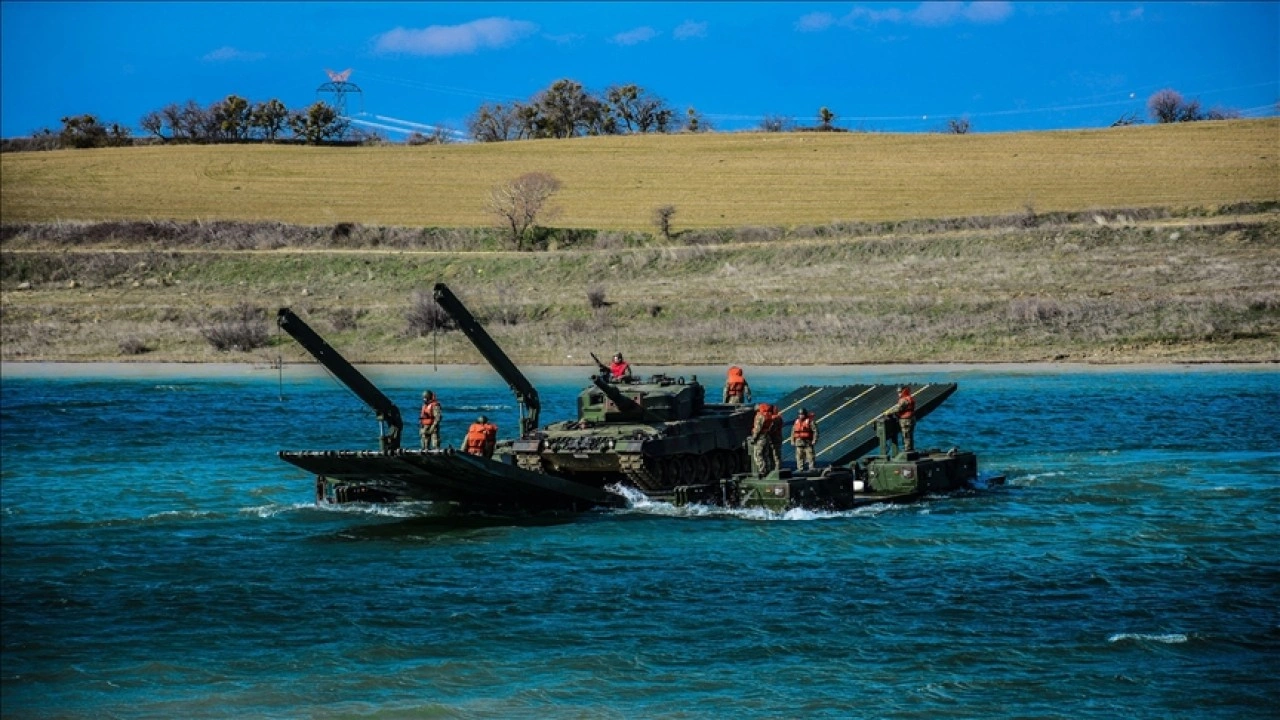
804 438
906 412
619 369
429 421
736 389
482 438
762 439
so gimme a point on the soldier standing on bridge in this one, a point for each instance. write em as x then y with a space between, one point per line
762 432
482 438
736 389
906 412
429 421
804 438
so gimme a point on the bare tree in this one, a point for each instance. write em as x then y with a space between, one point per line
153 122
425 315
516 205
958 126
494 122
662 218
1129 118
776 123
1168 106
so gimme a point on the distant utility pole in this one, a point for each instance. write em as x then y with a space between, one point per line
337 90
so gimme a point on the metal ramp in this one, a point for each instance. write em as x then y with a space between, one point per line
846 416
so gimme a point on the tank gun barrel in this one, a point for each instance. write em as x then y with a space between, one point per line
526 394
388 413
604 369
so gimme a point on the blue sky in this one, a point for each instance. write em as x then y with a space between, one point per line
890 67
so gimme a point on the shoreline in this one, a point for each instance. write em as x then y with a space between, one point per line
480 371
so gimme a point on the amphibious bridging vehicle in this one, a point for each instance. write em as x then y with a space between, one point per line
659 435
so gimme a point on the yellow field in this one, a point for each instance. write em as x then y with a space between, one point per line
714 180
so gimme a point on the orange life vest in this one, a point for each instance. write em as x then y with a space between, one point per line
619 369
479 435
736 383
427 417
803 429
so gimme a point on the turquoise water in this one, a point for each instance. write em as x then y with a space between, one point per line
160 562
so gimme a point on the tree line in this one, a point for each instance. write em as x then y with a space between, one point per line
230 120
564 109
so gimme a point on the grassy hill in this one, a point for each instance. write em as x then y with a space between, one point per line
714 180
1155 243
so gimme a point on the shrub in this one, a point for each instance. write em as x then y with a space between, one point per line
242 328
595 297
517 205
133 346
426 316
343 319
662 219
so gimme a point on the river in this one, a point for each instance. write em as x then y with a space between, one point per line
159 561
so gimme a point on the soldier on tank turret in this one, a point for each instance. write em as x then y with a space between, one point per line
619 369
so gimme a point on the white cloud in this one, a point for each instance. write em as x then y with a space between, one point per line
1134 15
931 14
690 29
636 36
815 22
485 34
226 53
987 12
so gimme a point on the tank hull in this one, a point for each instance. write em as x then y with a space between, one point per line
881 479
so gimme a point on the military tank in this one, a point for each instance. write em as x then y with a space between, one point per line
653 433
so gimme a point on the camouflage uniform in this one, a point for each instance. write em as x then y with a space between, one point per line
804 436
762 446
906 411
429 421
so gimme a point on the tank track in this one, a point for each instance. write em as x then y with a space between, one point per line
530 461
645 478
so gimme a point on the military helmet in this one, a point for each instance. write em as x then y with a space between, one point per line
482 419
427 394
804 412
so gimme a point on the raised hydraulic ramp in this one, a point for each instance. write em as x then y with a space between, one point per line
846 416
